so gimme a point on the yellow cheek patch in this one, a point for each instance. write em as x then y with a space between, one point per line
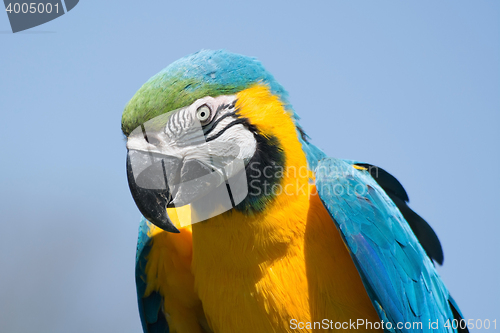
265 111
268 114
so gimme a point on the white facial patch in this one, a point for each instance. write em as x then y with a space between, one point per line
212 145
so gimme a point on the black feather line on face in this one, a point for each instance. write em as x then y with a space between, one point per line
268 156
231 124
211 126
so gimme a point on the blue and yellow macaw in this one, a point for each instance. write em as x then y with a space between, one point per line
312 244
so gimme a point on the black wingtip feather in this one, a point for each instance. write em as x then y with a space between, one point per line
387 181
422 230
458 317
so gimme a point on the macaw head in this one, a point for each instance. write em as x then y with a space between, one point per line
209 130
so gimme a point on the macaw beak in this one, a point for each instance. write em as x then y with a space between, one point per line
150 189
159 181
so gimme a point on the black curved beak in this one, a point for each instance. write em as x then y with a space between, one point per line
150 189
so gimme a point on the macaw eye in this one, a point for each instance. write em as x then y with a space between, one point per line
203 113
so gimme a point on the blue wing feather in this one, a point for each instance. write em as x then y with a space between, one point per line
152 317
396 271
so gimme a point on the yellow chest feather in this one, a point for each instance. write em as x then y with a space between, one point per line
273 272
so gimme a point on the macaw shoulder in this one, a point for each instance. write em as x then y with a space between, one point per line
165 284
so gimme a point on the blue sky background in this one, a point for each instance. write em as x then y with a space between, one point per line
411 87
